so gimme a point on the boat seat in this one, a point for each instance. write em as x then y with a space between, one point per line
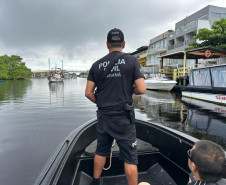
142 147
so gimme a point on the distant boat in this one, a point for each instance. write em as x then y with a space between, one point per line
2 81
158 81
67 76
54 77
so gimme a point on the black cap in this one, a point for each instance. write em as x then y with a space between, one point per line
115 36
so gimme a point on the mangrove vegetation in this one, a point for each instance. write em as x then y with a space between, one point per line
12 68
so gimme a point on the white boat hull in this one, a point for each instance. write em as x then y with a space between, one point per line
55 80
217 98
162 85
55 77
206 105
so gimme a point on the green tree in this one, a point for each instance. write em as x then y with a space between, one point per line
13 68
214 37
3 72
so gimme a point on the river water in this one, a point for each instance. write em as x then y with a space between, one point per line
35 117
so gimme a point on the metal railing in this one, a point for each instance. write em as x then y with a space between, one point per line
175 73
179 44
170 47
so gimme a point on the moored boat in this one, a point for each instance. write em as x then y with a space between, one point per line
162 155
208 84
54 77
158 81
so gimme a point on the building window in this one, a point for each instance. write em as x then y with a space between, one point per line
205 17
165 43
190 25
216 15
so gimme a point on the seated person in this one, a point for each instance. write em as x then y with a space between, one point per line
207 162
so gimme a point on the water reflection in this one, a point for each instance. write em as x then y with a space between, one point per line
207 120
197 118
13 89
155 97
34 125
57 89
160 107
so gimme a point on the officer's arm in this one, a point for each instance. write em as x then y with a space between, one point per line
139 87
89 92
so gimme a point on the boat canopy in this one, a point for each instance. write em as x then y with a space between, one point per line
213 76
198 53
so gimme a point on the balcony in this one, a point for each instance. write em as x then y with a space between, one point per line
189 41
170 47
179 44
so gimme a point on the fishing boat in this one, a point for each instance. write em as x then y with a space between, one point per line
162 156
158 81
207 84
56 75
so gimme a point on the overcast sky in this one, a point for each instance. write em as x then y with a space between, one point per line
75 31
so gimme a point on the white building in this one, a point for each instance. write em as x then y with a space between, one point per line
157 47
188 27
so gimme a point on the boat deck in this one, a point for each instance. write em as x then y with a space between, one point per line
149 167
121 179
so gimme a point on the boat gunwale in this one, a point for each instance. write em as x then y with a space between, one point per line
53 176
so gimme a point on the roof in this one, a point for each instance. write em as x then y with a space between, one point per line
198 53
139 50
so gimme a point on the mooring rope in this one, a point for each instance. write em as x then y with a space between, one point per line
112 146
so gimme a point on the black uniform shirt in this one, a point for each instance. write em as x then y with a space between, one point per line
117 89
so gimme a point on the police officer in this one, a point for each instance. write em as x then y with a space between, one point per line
114 101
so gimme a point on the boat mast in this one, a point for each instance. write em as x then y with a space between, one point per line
49 65
62 66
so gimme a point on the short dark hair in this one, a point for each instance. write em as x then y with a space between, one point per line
209 159
115 45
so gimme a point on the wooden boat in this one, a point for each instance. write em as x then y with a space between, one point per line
162 155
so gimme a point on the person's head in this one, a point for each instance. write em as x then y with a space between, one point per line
115 39
207 159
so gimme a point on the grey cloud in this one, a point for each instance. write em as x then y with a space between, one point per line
77 27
